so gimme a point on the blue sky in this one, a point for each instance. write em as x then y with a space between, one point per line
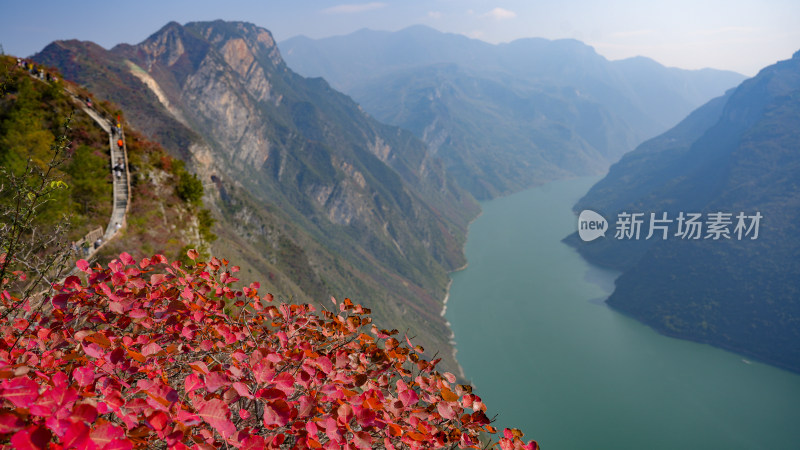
740 35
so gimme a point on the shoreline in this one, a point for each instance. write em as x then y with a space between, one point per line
442 313
452 339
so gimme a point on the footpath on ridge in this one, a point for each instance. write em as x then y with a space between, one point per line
94 240
119 173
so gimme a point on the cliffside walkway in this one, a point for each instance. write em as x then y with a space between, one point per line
121 178
120 175
94 240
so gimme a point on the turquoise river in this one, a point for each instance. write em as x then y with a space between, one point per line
550 358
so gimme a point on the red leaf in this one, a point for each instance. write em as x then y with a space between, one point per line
126 259
158 420
324 364
254 443
161 396
408 397
215 412
63 397
57 426
285 382
277 412
84 376
60 301
93 350
263 371
311 428
106 433
33 437
242 389
22 392
118 279
199 366
271 394
83 265
85 412
151 349
215 380
114 400
192 254
365 417
345 413
72 282
174 439
192 382
332 430
119 444
187 293
76 435
10 423
44 405
446 410
362 439
157 278
137 314
20 323
188 418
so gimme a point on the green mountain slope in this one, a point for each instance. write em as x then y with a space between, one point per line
33 113
738 153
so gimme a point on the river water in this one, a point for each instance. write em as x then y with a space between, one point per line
550 358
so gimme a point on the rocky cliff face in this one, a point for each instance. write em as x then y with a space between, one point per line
317 196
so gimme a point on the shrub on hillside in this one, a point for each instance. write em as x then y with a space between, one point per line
141 354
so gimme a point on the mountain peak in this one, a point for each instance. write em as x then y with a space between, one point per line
240 36
167 45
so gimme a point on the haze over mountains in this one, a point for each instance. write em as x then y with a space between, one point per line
737 153
509 116
317 198
314 196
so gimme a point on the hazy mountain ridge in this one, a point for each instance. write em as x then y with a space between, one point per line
508 116
313 193
738 153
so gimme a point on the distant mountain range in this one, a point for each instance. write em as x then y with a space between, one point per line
737 153
509 116
314 197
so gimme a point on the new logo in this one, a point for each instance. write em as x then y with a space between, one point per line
591 225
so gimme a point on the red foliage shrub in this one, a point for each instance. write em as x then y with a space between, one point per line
143 355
